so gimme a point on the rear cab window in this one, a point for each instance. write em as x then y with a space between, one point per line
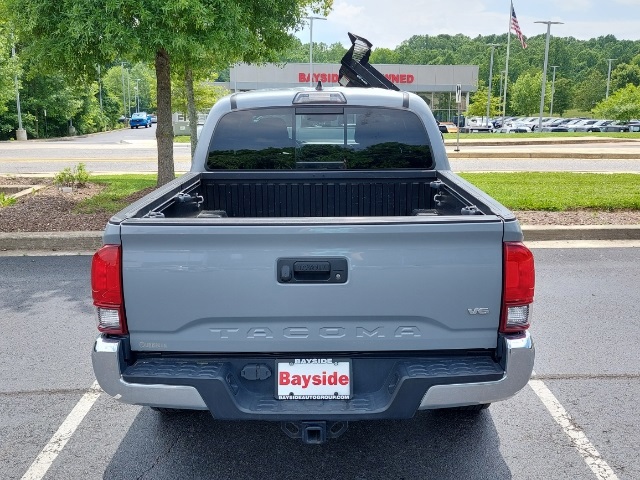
330 138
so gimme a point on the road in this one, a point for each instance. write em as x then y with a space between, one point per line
127 150
586 328
135 151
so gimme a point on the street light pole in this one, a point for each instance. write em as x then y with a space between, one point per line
544 71
129 93
609 75
493 47
553 89
502 72
100 87
311 19
21 133
137 94
124 97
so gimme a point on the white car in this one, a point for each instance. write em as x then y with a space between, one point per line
514 127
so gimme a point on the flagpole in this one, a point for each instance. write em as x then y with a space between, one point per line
506 67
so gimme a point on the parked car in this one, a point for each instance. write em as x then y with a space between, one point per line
554 122
140 119
514 127
589 125
154 118
554 129
615 128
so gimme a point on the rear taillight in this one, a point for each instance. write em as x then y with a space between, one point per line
517 289
106 288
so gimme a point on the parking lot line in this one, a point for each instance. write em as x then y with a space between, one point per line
45 459
579 440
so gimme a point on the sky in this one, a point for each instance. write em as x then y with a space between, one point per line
386 23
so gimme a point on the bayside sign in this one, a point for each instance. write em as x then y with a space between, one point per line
333 77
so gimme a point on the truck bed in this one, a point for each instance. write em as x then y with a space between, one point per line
317 194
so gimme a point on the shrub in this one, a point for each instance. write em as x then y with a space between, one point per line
77 176
65 178
6 200
82 176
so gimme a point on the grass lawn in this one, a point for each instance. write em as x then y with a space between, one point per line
560 191
118 187
182 139
517 191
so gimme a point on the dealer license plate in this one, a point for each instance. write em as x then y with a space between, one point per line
313 379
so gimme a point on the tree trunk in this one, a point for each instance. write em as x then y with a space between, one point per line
164 129
191 109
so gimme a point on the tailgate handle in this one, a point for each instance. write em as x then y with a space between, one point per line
312 270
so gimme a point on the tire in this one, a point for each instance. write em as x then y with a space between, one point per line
131 127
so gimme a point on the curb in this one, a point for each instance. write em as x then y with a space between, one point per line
51 241
541 233
90 241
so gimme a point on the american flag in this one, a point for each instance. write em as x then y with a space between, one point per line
515 26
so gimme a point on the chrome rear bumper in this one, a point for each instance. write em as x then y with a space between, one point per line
518 351
519 355
108 365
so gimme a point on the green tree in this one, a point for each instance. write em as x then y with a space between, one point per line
75 35
383 56
624 75
623 104
563 95
51 104
119 85
478 104
8 68
525 94
206 93
590 91
143 77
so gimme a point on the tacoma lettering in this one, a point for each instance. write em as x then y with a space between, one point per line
402 331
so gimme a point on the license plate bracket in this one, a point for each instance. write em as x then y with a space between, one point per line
313 379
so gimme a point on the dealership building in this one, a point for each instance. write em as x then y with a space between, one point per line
435 83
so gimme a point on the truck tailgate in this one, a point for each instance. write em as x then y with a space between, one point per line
218 288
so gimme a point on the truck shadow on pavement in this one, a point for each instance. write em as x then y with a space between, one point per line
442 445
29 282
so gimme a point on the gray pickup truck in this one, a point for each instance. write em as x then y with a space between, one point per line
320 264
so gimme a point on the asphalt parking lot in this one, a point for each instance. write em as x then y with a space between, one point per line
576 419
